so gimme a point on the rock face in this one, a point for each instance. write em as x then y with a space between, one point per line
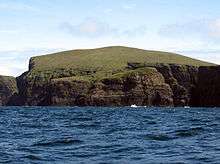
207 92
141 87
33 89
182 80
8 88
69 92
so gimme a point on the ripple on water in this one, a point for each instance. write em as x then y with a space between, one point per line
203 159
158 137
128 149
62 142
87 125
81 119
105 147
110 131
189 132
5 157
33 157
150 122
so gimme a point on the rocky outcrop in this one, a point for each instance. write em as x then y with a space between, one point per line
182 80
144 87
8 88
141 87
69 92
207 91
33 89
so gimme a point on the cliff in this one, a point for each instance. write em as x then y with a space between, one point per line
8 88
182 79
158 85
116 76
207 91
144 86
141 87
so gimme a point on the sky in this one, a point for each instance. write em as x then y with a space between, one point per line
36 27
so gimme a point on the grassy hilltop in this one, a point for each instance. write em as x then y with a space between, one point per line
109 58
104 61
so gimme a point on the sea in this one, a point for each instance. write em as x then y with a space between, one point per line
105 135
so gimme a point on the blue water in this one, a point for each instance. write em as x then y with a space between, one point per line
109 135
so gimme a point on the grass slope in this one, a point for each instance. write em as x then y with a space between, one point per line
95 64
109 58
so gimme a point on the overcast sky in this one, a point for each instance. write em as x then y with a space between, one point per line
35 27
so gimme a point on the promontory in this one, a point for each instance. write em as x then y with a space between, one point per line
113 76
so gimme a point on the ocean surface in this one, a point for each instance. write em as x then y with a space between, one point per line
109 135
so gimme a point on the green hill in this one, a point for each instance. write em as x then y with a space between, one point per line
108 58
104 61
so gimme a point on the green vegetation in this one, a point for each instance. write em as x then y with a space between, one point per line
109 58
139 71
75 78
102 62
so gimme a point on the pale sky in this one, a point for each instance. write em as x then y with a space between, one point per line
36 27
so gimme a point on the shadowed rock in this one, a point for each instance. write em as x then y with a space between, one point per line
8 88
207 91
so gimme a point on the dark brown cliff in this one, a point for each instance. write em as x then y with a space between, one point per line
182 80
145 86
141 87
207 91
141 84
8 88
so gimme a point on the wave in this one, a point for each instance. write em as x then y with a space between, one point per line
189 132
158 137
63 142
33 157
